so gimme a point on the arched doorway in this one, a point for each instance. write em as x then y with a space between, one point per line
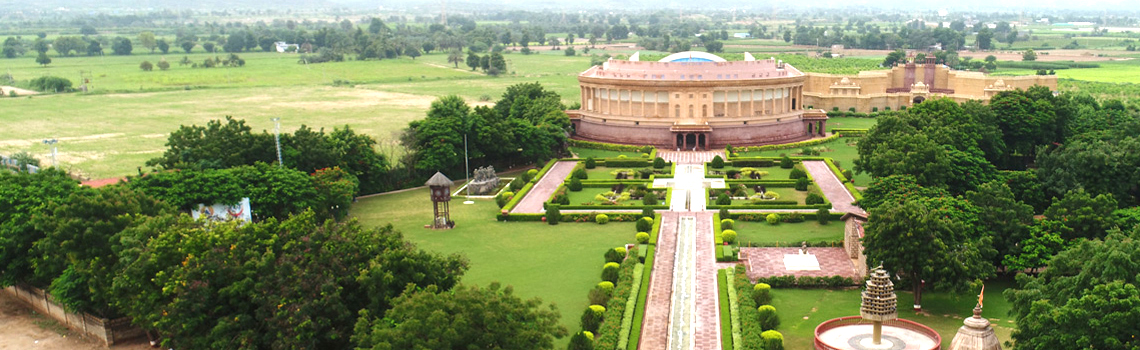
680 141
919 99
690 141
811 128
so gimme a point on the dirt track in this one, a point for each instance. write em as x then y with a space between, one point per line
21 329
19 91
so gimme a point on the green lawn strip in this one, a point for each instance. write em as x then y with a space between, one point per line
584 153
725 313
749 232
850 123
558 264
643 292
774 172
734 309
630 307
786 194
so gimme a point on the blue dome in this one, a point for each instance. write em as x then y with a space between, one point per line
692 56
691 59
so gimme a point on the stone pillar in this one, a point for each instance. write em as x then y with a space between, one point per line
739 105
751 102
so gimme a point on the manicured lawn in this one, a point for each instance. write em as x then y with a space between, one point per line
558 264
587 195
801 310
786 194
774 172
810 230
600 153
850 123
842 150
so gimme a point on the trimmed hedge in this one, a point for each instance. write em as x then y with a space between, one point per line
522 193
750 329
793 244
759 217
610 329
812 142
639 310
789 281
625 163
725 311
735 309
612 147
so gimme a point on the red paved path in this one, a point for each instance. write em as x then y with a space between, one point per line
833 189
707 332
655 327
542 190
769 262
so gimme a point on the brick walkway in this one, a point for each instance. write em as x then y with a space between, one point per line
689 157
707 333
768 262
655 328
834 190
542 190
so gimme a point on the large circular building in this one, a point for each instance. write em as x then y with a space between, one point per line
694 100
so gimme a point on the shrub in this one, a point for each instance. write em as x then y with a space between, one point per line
723 199
874 109
50 84
645 224
787 163
553 214
580 341
773 340
773 219
602 219
146 66
502 199
761 294
530 174
802 184
717 162
605 286
729 236
658 163
647 212
592 318
771 195
579 173
650 198
793 217
575 185
847 173
813 198
796 173
599 295
823 216
768 318
610 272
591 163
724 212
517 184
613 255
642 237
726 224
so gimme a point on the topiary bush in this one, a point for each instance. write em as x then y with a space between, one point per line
787 163
591 163
579 173
645 224
606 286
796 174
723 199
773 219
642 237
531 174
579 341
647 212
601 296
717 162
823 216
553 214
658 163
575 185
502 199
761 293
802 184
847 173
729 236
723 212
610 272
773 340
517 184
602 219
613 255
650 198
592 318
726 224
768 318
813 198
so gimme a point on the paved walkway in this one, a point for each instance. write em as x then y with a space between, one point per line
655 328
689 157
769 262
834 190
707 334
542 190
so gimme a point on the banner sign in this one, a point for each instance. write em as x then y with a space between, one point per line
222 212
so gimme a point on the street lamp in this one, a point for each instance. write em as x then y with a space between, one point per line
277 139
54 150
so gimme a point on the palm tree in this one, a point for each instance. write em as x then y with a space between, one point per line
455 56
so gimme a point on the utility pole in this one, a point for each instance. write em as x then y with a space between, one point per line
277 139
54 150
467 172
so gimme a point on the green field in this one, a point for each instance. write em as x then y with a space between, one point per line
558 263
811 231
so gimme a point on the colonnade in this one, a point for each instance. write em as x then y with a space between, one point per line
692 104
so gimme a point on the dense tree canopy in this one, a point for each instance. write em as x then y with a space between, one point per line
22 195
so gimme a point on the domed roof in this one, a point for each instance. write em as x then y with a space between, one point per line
692 56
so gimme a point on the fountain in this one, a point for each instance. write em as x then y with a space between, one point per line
877 327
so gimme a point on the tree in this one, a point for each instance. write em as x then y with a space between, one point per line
163 46
163 65
1086 298
714 46
498 62
1098 166
297 283
121 46
87 29
569 51
147 40
234 43
1011 38
69 45
43 59
1029 55
336 189
146 66
472 60
187 46
894 57
40 45
984 39
23 195
1085 216
1002 217
413 52
208 46
215 145
466 317
455 56
94 48
930 241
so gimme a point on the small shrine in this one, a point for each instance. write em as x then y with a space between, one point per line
976 332
440 189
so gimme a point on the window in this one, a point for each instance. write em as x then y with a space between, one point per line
704 111
690 95
676 111
690 111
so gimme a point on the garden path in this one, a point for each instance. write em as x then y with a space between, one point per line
689 157
532 203
834 190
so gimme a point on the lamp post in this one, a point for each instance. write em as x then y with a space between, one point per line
277 139
54 150
467 172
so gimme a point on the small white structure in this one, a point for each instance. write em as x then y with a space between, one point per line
222 212
283 46
742 35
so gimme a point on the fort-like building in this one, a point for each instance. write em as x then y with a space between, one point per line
699 100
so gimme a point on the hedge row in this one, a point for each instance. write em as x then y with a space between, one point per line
761 217
749 317
626 163
793 244
522 192
734 307
609 331
811 142
639 312
725 312
855 193
630 307
850 132
612 147
790 281
772 206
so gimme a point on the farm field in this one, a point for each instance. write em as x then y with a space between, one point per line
560 263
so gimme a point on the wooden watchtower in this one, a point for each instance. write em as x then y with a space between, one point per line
440 187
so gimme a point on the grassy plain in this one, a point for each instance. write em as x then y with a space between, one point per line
559 264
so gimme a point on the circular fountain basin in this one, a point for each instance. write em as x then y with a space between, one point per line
854 333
